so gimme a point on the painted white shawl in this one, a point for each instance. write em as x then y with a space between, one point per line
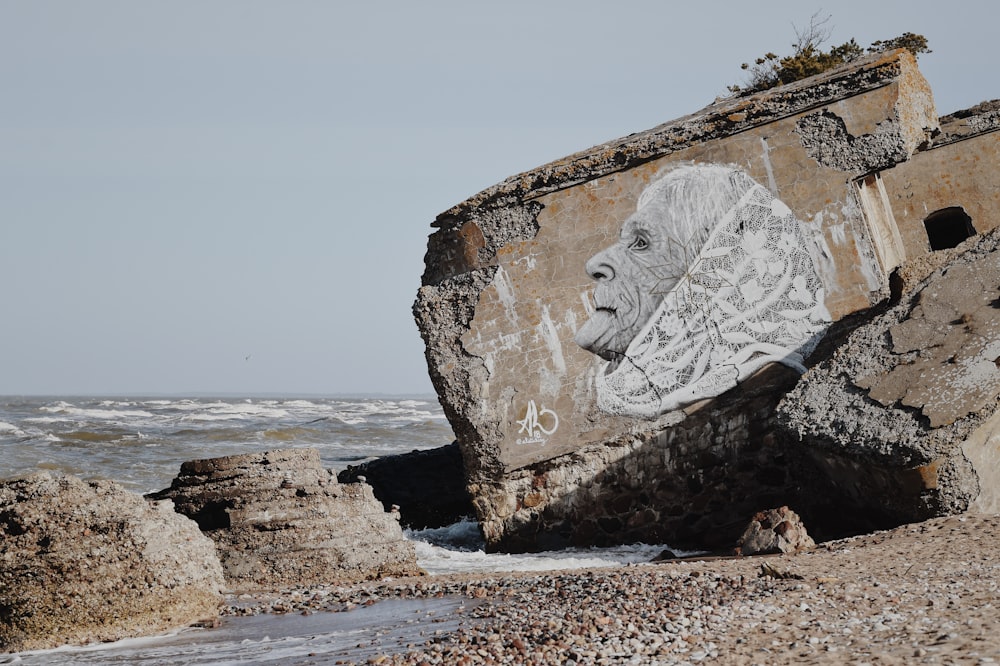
751 297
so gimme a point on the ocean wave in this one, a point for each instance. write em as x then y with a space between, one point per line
302 404
10 430
142 442
463 535
347 420
236 415
413 404
290 434
44 420
58 404
419 417
99 437
101 414
459 548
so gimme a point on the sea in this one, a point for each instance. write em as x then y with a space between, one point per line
141 441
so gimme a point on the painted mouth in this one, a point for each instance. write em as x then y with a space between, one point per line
598 333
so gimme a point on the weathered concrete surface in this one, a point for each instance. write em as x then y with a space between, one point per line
90 562
427 487
958 169
505 291
279 518
903 416
774 531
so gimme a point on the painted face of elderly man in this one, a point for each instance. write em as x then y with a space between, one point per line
710 279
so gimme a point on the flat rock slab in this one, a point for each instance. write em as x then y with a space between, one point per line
953 338
279 518
87 562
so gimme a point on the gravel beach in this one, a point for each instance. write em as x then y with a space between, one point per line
925 593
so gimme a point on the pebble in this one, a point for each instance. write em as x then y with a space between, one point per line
853 601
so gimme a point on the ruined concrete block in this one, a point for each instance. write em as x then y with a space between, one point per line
904 414
629 316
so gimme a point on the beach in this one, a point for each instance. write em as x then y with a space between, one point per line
921 593
925 593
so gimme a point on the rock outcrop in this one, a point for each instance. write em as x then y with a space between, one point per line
279 518
904 416
427 487
89 562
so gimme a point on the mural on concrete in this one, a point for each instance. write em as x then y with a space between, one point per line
711 278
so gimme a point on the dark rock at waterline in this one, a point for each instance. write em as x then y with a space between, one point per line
427 486
279 518
86 562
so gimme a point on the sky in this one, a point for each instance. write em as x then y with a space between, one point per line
234 196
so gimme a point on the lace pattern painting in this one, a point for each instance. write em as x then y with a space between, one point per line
715 279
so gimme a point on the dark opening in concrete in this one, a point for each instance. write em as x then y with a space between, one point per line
948 227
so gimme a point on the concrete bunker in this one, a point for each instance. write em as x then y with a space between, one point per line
549 459
948 227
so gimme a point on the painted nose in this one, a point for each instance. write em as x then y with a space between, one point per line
601 266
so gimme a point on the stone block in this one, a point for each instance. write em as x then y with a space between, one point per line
84 562
279 518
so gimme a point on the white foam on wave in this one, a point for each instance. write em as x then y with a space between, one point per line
103 414
182 404
10 429
359 407
235 412
116 403
57 406
302 404
350 420
438 560
412 404
254 410
418 417
459 548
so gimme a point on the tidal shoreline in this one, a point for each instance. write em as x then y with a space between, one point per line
922 593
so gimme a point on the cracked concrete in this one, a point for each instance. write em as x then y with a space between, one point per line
505 292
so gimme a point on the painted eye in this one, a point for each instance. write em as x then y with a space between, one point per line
639 243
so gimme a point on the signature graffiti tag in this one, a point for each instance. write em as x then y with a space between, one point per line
537 424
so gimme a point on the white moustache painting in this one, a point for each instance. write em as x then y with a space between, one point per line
710 279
